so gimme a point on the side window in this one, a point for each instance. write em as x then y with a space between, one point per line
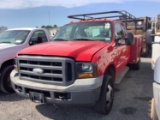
124 29
119 30
38 37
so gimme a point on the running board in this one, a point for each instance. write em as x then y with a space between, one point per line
121 75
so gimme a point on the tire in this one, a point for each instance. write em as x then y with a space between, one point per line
145 54
145 51
135 66
105 101
5 82
153 114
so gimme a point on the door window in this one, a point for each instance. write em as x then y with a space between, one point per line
38 37
119 30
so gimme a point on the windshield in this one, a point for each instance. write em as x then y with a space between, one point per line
14 36
100 31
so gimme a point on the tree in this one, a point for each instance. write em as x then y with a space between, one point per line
49 26
2 28
55 26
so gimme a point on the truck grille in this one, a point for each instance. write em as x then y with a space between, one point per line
44 69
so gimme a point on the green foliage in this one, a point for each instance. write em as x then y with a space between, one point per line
3 28
49 26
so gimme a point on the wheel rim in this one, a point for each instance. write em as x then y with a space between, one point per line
109 95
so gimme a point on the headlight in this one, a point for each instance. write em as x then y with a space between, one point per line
87 67
85 70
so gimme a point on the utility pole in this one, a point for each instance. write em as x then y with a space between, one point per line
49 17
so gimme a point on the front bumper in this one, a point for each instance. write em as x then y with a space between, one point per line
156 93
81 92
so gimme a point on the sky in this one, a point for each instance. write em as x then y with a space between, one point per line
32 13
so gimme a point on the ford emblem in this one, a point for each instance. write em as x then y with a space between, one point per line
38 70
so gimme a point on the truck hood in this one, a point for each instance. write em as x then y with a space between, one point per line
79 50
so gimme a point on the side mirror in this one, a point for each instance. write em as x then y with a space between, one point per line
130 39
31 42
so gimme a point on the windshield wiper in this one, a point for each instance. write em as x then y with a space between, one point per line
84 39
59 39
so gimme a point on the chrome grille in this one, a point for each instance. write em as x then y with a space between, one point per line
56 70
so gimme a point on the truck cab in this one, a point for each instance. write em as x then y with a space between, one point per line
80 65
12 41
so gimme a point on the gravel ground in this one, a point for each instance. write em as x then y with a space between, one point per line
131 102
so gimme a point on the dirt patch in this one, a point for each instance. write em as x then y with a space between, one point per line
128 110
128 77
116 90
143 98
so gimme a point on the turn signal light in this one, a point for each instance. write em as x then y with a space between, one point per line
85 75
71 22
105 18
16 68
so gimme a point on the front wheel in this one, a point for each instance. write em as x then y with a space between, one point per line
104 104
5 82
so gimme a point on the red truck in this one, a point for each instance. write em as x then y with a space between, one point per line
81 64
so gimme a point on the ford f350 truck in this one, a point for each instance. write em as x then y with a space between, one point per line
12 41
81 64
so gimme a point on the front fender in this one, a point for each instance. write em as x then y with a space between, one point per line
157 71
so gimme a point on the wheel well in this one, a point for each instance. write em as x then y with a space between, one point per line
111 67
108 70
7 63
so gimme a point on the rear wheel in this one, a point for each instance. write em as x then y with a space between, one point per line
104 104
145 52
5 82
135 66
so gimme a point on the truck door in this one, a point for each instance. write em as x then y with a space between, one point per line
121 50
126 49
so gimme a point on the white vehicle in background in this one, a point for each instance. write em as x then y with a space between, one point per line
156 45
155 102
12 41
155 49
